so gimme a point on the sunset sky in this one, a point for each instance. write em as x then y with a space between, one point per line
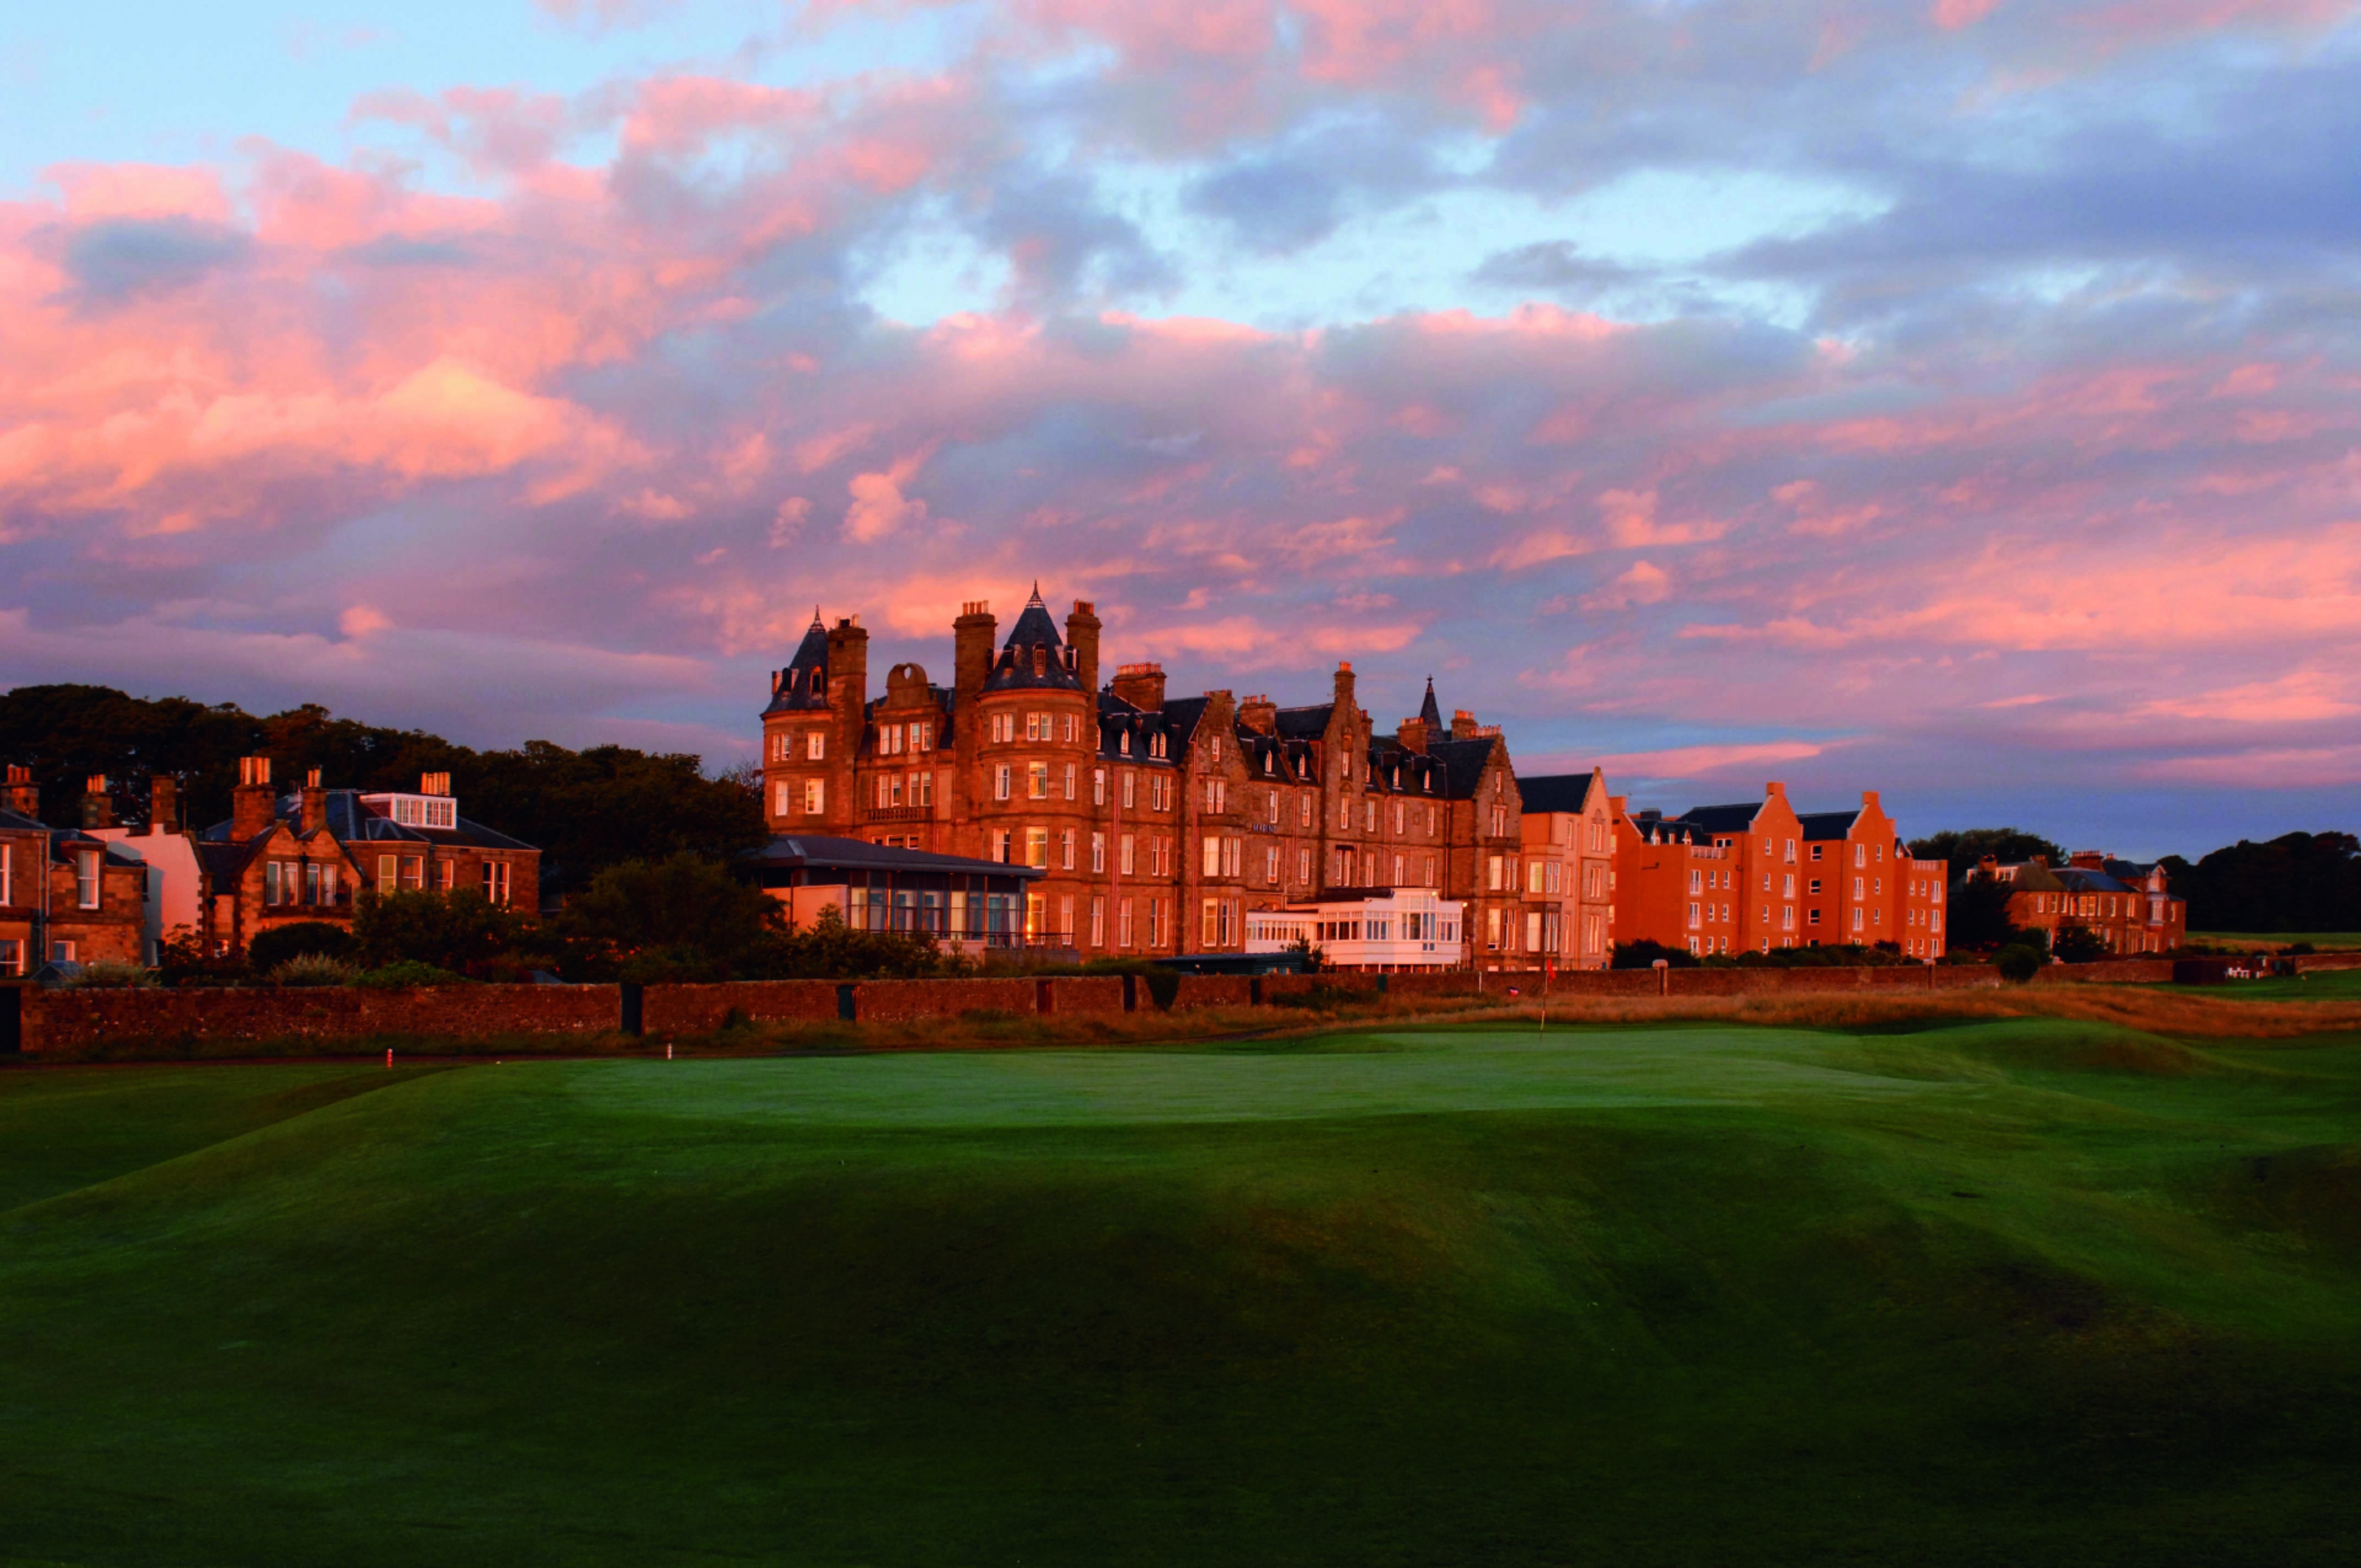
1959 400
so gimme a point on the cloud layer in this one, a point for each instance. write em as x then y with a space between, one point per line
1956 399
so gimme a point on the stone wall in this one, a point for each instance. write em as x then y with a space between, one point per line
75 1020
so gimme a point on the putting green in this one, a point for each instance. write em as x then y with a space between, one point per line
2023 1291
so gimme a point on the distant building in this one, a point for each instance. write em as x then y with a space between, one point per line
66 896
309 855
2126 904
968 905
1159 825
1567 826
1757 876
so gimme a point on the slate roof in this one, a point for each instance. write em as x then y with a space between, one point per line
1555 792
1462 764
1721 818
1429 713
2030 877
805 686
351 823
806 851
1827 823
1118 718
63 841
2073 879
1034 629
1305 723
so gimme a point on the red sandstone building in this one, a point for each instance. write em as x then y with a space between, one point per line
2124 904
1158 823
66 897
1757 876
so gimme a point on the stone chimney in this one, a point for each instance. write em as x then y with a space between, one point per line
2088 860
1775 791
1142 685
847 684
428 783
311 804
97 805
163 804
1083 644
1344 686
1259 713
1869 800
22 796
253 805
1462 725
1412 735
972 635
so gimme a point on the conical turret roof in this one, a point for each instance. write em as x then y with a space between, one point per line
803 682
1034 655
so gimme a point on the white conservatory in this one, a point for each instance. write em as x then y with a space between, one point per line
1378 928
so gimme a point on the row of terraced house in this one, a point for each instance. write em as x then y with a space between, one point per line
1155 824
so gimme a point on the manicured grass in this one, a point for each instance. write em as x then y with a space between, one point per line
2023 1290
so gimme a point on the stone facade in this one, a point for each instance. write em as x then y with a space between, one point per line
2126 904
65 895
1158 823
309 855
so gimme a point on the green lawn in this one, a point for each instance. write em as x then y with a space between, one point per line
2012 1292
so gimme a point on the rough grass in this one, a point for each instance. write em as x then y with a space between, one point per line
1971 1290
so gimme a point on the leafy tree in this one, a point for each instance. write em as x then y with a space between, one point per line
2077 944
1962 847
1643 954
584 810
1979 917
2019 963
2297 881
462 931
690 911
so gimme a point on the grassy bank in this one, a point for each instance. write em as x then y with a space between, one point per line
2002 1289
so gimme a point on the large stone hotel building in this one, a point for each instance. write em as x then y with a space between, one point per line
1159 824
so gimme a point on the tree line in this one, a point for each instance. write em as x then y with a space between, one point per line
585 810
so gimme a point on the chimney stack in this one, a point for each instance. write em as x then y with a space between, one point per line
253 805
1142 685
1412 735
1260 715
1462 725
97 806
311 805
1082 643
1344 686
163 804
971 638
23 796
1774 790
434 784
847 685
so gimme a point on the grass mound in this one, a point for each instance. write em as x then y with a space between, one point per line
1422 1296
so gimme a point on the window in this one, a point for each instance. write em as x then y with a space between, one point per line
1861 854
1066 917
12 956
1098 922
1098 786
783 798
1000 846
274 883
1492 872
1003 727
1213 927
1814 884
1066 853
1270 864
1813 918
1069 781
922 789
815 744
1067 732
496 881
1037 727
922 736
1815 851
1492 930
1303 867
889 740
1036 847
1788 890
1856 916
1231 850
814 796
1000 782
1534 932
1123 925
1130 794
1037 780
413 872
1368 816
1213 856
1856 887
64 952
8 874
446 875
1123 744
1430 873
1126 860
1430 822
1098 852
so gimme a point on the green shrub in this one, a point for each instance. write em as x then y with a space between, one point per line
406 972
272 949
313 969
1643 955
2019 964
112 976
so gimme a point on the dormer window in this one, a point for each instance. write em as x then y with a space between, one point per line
1124 745
430 811
1040 658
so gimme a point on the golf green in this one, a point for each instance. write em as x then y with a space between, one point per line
1992 1292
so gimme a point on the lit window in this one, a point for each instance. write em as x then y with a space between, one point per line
816 745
